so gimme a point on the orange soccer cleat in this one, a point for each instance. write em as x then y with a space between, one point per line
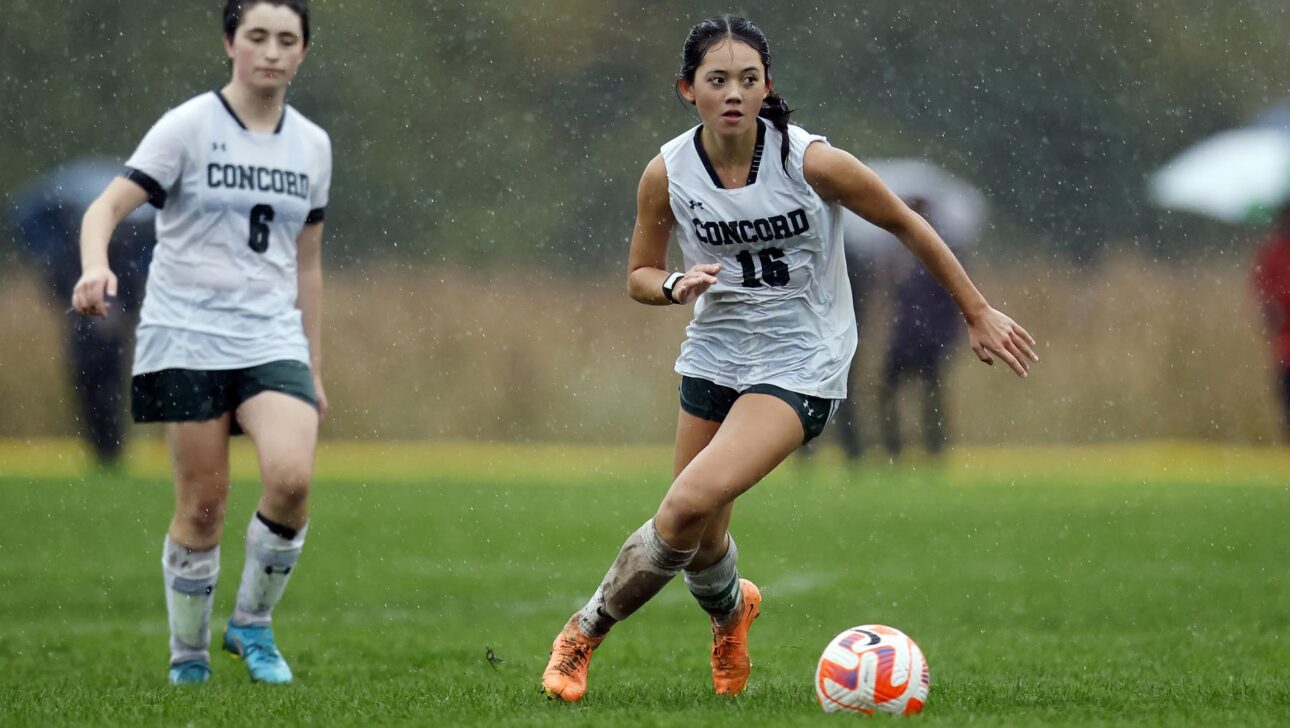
730 662
565 677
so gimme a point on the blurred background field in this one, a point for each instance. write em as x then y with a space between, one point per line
1069 586
498 133
1132 348
487 156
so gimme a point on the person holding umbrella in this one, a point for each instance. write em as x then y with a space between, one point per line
1271 280
925 324
45 215
1242 176
924 317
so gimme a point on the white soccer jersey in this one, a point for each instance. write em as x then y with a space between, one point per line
222 285
780 312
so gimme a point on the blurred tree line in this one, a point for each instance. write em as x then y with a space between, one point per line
491 132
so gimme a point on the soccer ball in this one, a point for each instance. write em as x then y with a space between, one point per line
872 668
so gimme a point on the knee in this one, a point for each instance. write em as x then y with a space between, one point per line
678 518
202 518
288 485
684 514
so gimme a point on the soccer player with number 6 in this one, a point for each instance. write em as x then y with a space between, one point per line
228 338
755 204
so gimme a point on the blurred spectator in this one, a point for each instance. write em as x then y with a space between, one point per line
956 210
1272 286
862 271
45 215
925 324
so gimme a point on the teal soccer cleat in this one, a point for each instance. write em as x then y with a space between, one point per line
254 645
190 672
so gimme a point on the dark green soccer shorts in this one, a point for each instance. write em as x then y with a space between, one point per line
193 395
710 401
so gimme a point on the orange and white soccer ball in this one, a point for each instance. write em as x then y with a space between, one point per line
872 668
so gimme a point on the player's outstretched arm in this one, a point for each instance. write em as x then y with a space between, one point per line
837 176
647 261
97 281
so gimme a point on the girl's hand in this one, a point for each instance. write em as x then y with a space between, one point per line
695 281
89 298
322 398
994 333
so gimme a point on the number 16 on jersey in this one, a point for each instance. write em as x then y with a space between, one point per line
774 271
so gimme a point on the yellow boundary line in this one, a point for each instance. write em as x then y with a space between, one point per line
1145 462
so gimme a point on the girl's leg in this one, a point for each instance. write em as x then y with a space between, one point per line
565 676
190 559
711 575
758 433
693 434
284 430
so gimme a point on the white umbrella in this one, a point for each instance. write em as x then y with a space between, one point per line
955 208
1234 176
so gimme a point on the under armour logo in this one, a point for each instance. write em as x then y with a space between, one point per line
696 203
218 147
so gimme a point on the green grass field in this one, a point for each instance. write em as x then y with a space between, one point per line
1134 585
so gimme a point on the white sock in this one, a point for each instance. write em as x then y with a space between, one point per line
270 558
716 588
190 592
644 566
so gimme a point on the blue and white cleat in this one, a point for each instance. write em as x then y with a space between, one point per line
254 645
190 672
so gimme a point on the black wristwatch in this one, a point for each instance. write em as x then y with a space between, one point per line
669 284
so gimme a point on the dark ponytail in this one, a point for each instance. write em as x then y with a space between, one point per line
707 33
775 110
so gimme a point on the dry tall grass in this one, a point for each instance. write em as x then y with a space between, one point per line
1131 349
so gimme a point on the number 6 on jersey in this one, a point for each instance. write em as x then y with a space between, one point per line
261 216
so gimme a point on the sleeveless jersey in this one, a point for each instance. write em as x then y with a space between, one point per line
780 312
221 290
